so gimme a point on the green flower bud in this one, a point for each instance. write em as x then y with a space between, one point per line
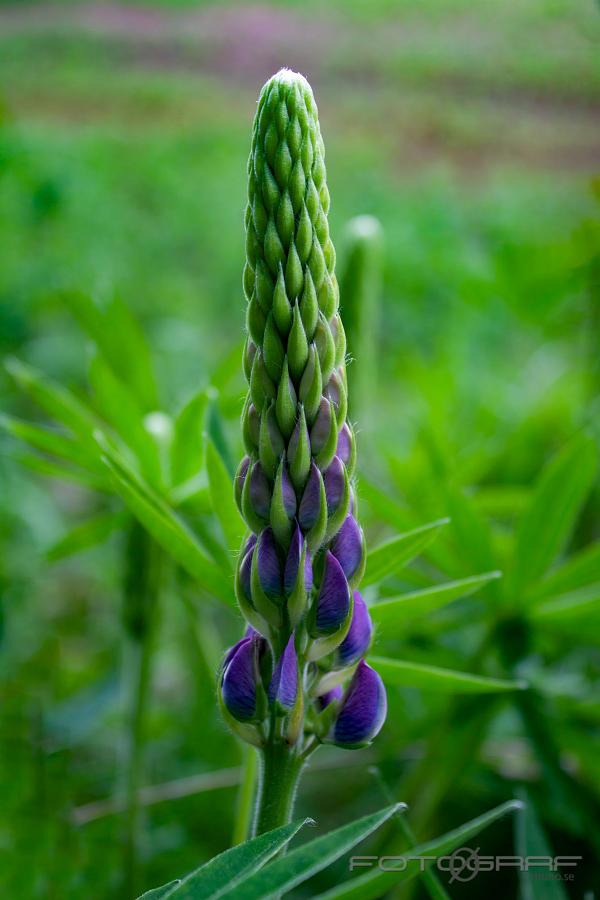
297 348
299 452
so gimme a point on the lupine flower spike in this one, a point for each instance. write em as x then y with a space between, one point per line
298 677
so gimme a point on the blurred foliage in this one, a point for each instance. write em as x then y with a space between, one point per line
470 131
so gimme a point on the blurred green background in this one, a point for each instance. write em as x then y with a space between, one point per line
472 131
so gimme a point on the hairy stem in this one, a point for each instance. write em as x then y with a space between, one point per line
280 768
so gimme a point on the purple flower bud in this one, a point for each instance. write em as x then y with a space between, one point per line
334 480
347 546
364 709
238 686
240 477
329 696
268 565
310 505
321 428
283 688
232 651
333 601
344 444
260 491
356 643
293 561
245 574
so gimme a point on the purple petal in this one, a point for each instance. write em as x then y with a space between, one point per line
310 505
329 696
246 572
231 653
364 708
344 444
284 683
334 481
356 643
333 601
293 561
347 546
238 688
288 493
260 491
268 565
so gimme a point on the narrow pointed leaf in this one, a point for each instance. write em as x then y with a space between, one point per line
375 883
54 399
168 530
224 874
188 439
85 535
395 614
390 557
546 526
433 678
531 841
300 864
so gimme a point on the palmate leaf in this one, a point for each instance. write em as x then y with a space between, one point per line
433 678
48 440
227 871
375 883
389 557
167 528
302 863
395 613
547 524
121 342
55 400
95 481
119 407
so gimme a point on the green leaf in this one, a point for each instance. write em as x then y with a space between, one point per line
546 526
167 528
375 883
470 533
188 439
85 535
569 607
390 557
92 480
302 863
580 570
224 873
58 402
394 614
120 341
50 441
432 678
530 840
119 407
220 486
160 892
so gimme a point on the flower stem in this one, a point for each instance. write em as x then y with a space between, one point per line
280 768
